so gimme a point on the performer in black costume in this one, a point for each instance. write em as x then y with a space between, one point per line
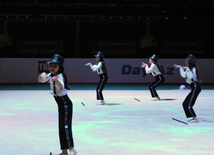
59 86
100 67
156 72
190 72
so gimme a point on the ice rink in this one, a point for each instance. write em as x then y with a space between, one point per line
124 126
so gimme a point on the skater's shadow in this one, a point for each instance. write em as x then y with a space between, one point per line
205 120
167 99
112 104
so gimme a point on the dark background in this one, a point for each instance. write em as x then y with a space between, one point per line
119 28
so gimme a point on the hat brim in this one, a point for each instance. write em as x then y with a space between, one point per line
97 56
51 62
193 63
187 60
153 59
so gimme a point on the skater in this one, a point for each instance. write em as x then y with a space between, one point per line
59 86
100 67
190 72
156 72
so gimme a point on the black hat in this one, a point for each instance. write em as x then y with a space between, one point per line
154 58
191 59
99 55
57 59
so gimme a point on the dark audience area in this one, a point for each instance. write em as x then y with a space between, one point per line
121 29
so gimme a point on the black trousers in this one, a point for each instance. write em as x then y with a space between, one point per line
190 99
101 85
65 112
158 80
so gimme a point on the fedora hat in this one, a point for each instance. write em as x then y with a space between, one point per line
57 59
99 55
154 57
191 59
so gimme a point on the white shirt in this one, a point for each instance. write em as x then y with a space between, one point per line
58 91
97 68
189 75
152 69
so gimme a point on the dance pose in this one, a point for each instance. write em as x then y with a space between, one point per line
59 86
156 72
190 72
100 67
